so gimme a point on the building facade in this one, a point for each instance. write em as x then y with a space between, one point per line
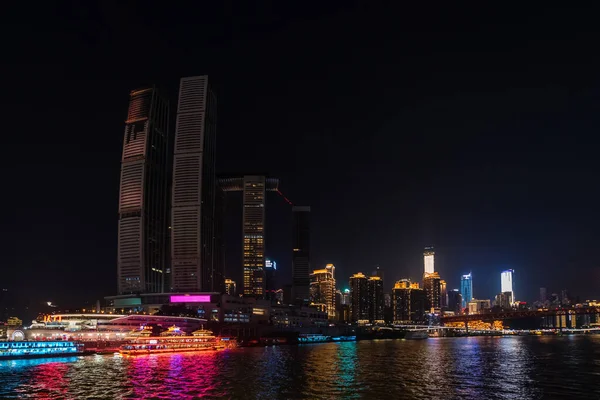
322 289
431 284
408 302
455 301
359 298
466 289
376 299
194 188
506 283
142 259
428 260
301 253
443 294
230 287
270 276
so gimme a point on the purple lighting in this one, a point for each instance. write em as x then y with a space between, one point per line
190 299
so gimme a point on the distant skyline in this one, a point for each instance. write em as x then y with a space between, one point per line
469 129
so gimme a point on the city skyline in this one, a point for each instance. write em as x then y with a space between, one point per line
486 170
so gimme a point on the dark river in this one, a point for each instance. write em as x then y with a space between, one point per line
446 368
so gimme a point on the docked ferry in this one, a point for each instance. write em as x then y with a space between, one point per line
174 340
39 349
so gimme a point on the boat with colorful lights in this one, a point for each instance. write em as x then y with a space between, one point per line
173 340
39 349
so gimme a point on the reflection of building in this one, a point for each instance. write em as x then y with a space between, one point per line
322 288
408 302
477 306
431 284
253 188
506 283
193 256
466 289
270 275
375 299
359 300
301 254
143 198
428 260
230 287
454 301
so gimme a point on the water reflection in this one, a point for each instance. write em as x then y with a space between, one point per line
452 368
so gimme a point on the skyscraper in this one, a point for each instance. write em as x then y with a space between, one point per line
270 273
431 284
143 200
443 294
301 253
322 288
194 189
506 283
254 188
375 299
428 260
359 298
408 302
466 289
454 301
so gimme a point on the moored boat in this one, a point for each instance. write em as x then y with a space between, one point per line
39 349
174 340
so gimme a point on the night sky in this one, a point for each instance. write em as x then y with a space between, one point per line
470 129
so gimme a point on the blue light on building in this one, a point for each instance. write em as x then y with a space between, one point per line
466 289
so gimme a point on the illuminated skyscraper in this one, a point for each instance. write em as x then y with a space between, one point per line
408 302
301 253
194 189
428 260
359 298
443 294
506 283
375 299
254 188
322 288
143 200
466 289
270 274
230 287
431 284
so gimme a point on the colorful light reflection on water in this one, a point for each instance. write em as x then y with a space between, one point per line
452 368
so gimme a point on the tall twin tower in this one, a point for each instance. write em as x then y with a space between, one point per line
170 238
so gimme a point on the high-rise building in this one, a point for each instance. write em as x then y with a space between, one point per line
431 284
408 302
428 260
359 298
375 299
346 297
230 287
543 295
506 283
466 289
270 274
504 300
193 261
443 294
454 301
478 306
142 258
378 272
301 253
322 288
254 188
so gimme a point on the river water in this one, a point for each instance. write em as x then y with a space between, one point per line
442 368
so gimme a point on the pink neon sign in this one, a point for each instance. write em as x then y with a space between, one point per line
191 299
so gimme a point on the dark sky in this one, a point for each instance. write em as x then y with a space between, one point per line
470 129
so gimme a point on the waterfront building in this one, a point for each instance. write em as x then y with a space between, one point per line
359 298
408 302
301 254
142 248
375 299
253 188
322 288
443 294
193 256
478 306
428 260
270 276
506 283
455 301
431 284
504 300
230 287
466 289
